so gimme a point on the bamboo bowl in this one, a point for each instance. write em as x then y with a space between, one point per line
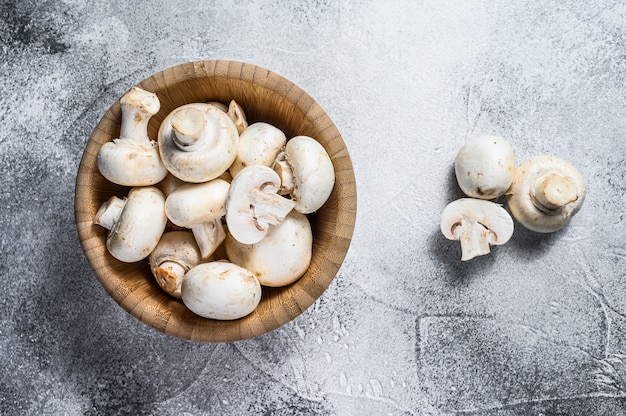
264 96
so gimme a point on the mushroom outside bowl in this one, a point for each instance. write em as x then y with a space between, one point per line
264 96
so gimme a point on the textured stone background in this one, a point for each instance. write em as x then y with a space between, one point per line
536 328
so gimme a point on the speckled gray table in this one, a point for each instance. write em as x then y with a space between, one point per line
538 327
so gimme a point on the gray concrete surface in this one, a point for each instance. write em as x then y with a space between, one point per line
538 327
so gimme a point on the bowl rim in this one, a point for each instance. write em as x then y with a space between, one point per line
302 296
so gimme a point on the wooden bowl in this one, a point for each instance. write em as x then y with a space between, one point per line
264 96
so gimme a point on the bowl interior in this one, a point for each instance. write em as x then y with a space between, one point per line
264 96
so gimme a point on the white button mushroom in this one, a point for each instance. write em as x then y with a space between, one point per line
253 204
236 114
133 159
280 258
200 207
485 166
477 224
259 144
220 290
135 224
198 142
546 192
171 259
306 173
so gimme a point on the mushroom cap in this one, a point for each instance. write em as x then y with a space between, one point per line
259 144
131 163
313 172
220 290
491 215
280 258
253 204
193 203
523 202
176 253
138 99
485 166
213 150
140 225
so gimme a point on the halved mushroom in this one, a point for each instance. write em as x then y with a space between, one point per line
200 207
280 258
546 192
198 142
253 204
171 259
135 223
133 159
307 173
259 144
477 224
485 166
220 290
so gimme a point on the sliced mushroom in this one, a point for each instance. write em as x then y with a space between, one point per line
200 207
259 144
545 194
220 290
307 173
133 159
280 258
171 259
253 204
135 224
477 224
198 142
485 167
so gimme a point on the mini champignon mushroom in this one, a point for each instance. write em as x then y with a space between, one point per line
545 194
133 158
220 290
171 259
306 172
485 166
259 144
477 224
198 142
135 223
280 258
200 207
237 115
253 204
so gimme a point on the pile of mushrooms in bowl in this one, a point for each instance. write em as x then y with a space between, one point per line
215 201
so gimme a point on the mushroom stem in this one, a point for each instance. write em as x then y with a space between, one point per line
285 172
269 208
209 235
474 238
169 275
138 106
188 124
553 191
109 212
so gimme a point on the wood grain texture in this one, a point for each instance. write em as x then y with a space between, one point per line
264 96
